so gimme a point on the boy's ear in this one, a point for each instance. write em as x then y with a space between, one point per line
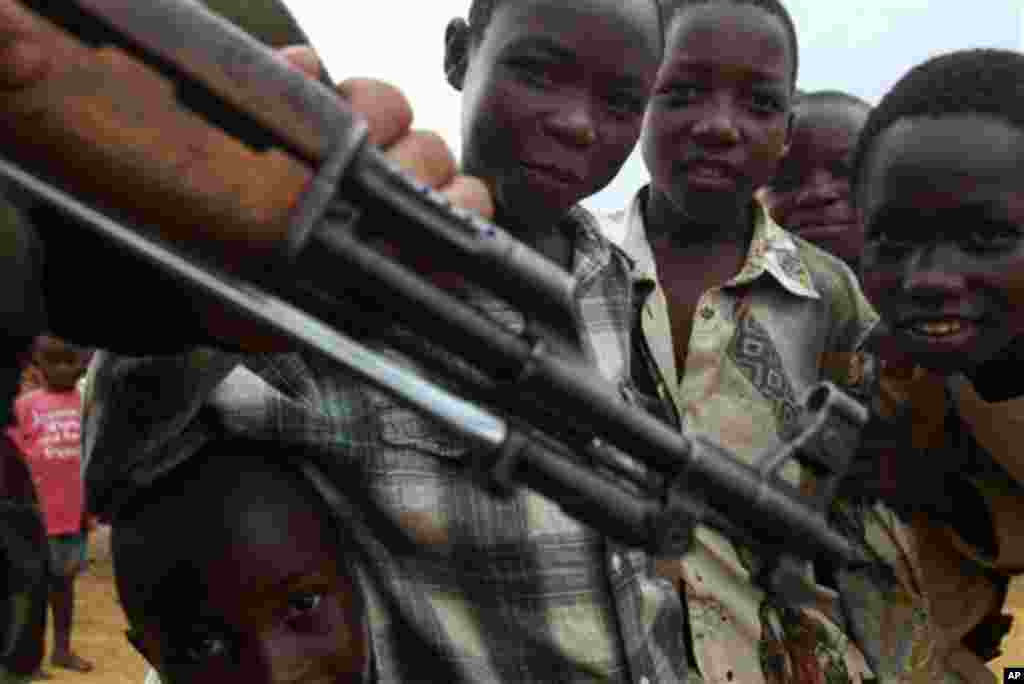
456 52
790 122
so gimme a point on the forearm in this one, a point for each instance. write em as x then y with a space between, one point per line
98 296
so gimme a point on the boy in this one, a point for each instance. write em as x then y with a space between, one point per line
938 183
810 193
738 316
497 589
262 573
43 262
46 431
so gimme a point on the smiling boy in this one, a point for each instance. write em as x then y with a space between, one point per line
938 175
739 314
495 589
810 193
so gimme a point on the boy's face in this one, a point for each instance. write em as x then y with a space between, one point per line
263 601
943 209
553 100
61 363
810 193
718 121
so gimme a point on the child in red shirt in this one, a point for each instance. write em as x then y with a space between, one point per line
46 431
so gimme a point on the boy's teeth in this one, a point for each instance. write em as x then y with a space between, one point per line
938 328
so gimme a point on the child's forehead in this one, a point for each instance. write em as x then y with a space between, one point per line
972 145
944 163
635 22
715 29
830 114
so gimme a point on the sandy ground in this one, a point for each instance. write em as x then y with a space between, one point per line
1013 645
98 632
99 627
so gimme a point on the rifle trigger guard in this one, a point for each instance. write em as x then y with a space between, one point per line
529 369
499 466
672 528
321 192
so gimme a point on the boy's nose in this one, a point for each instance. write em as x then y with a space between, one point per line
930 273
269 659
821 188
717 126
573 125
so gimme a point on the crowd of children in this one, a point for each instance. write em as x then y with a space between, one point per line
784 239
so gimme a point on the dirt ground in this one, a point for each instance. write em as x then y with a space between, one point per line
99 627
1013 645
98 633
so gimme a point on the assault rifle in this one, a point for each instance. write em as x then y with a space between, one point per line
176 135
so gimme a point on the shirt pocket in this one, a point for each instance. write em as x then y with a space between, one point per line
407 430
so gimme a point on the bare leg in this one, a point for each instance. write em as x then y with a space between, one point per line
62 598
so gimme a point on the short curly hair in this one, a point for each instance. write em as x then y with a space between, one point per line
480 12
983 81
671 8
827 96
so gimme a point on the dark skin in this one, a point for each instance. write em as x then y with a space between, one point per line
553 103
262 596
60 362
943 209
717 125
811 193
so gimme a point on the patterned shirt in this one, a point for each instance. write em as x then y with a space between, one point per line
753 354
500 589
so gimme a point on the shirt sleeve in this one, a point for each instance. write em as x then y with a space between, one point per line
140 419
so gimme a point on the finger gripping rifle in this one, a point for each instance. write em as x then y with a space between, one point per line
170 131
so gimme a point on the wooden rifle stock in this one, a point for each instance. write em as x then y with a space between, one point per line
105 125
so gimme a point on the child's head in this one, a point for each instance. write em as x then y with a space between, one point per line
553 97
230 569
939 183
719 119
810 193
61 363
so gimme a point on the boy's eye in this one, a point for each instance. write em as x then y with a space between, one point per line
533 71
306 602
766 103
888 244
200 647
303 613
625 104
996 237
680 94
841 170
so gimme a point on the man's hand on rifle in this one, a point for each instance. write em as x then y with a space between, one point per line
389 116
424 154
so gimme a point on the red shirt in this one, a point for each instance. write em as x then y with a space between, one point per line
47 432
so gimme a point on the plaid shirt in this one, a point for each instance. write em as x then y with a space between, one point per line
501 589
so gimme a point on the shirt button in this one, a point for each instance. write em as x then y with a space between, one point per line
707 313
616 562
